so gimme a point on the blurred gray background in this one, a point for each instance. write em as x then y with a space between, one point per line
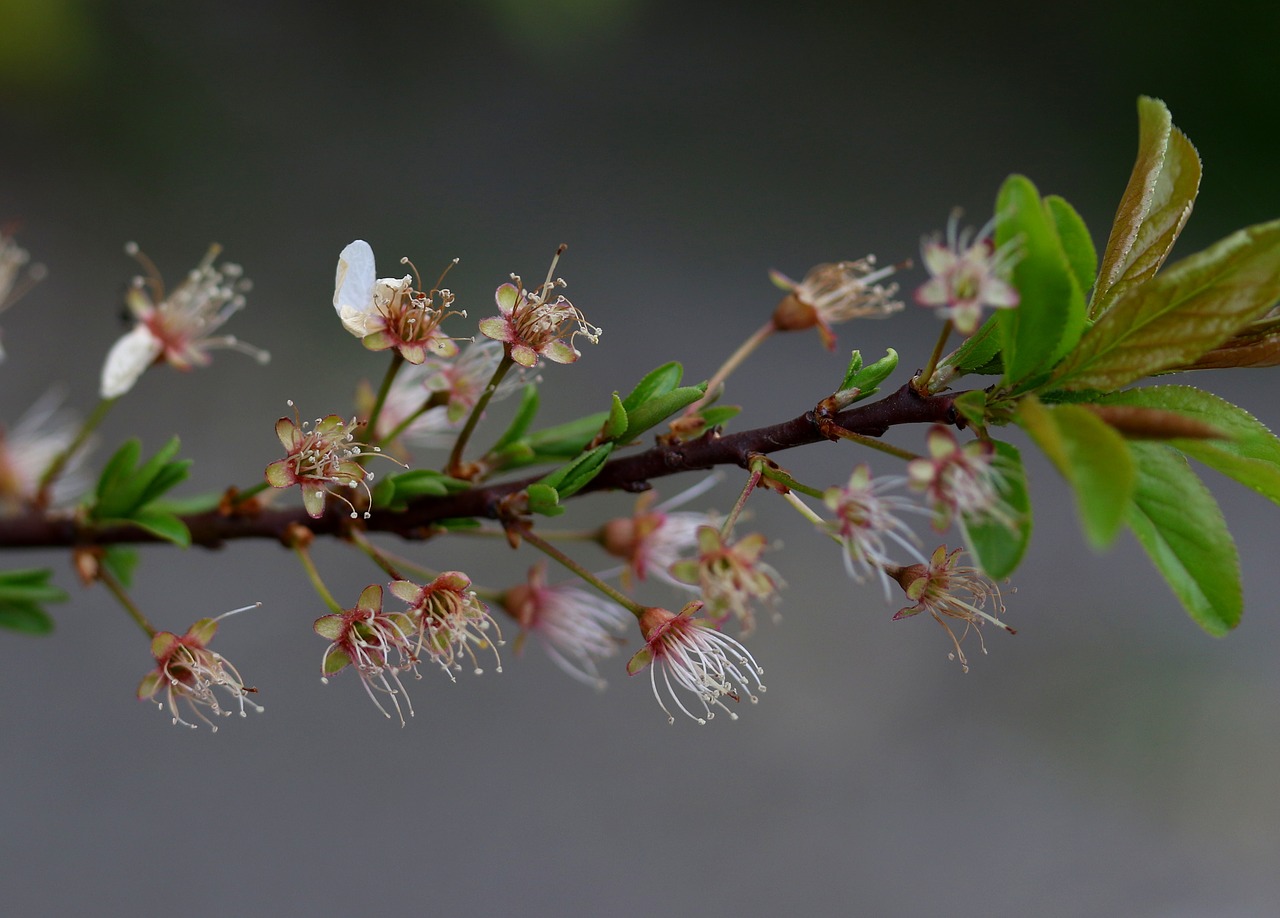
1110 759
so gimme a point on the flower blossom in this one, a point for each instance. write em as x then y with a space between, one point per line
654 538
692 655
730 575
532 324
189 671
379 645
449 620
865 518
28 449
14 281
965 479
178 328
833 293
575 626
937 588
321 453
967 273
387 312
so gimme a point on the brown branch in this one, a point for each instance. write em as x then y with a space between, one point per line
628 473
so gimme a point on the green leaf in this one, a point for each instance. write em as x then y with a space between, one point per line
1188 309
1251 452
718 415
867 380
29 585
1050 314
1178 522
1093 458
569 479
165 525
396 491
520 423
544 499
1154 208
616 425
564 441
972 406
118 468
656 383
656 410
1077 244
997 548
121 562
978 350
855 366
25 618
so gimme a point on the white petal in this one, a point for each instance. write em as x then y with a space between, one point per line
353 287
128 359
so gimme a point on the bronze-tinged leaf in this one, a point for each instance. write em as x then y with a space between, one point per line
1154 208
1246 351
1153 424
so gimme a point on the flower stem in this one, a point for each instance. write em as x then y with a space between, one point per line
922 381
455 457
752 481
60 461
434 400
873 443
375 554
117 590
304 555
735 359
368 435
547 548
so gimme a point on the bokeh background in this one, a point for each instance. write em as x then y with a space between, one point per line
1110 759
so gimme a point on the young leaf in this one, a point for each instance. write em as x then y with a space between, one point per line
165 525
1077 244
1178 522
978 350
1154 208
855 367
867 380
544 499
1093 458
1188 309
25 618
616 425
21 594
1249 453
998 549
658 409
564 441
1050 314
569 479
121 562
656 383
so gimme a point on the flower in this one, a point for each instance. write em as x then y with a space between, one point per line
177 328
694 656
651 540
834 293
967 273
26 452
14 283
321 453
730 576
968 480
865 518
449 619
389 312
378 645
575 626
532 324
189 671
936 587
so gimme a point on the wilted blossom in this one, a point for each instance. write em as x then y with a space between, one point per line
967 273
390 312
15 277
654 538
187 670
949 591
865 517
686 653
178 328
575 626
28 449
449 621
379 645
533 324
321 453
730 575
833 293
965 479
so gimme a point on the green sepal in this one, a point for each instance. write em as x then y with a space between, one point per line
1185 311
544 499
1250 453
335 661
997 548
656 383
523 418
1077 244
656 410
1179 524
1050 314
1093 458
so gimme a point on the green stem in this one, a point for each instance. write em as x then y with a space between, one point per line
874 443
375 554
369 435
117 590
922 385
784 478
550 550
60 461
434 400
752 481
304 555
735 359
455 457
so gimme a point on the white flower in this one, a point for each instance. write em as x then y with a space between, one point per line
27 450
